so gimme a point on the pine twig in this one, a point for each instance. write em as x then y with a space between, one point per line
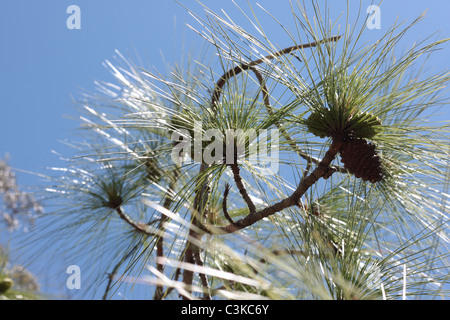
139 227
203 278
113 273
245 66
224 203
240 185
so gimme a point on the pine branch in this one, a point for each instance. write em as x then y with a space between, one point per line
224 203
203 278
242 190
158 295
294 198
139 227
113 273
199 212
246 66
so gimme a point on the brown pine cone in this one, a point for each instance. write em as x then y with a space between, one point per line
361 159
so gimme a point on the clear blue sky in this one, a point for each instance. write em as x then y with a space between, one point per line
43 63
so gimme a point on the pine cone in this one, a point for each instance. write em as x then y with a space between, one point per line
361 159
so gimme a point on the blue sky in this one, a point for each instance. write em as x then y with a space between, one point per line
44 65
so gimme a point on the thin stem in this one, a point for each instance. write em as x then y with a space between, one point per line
113 273
139 227
242 190
188 275
224 203
203 278
111 276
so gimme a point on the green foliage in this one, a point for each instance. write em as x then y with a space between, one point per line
333 122
177 226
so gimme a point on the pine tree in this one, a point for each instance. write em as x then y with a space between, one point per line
354 205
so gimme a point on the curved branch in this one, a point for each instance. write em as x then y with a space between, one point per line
245 66
238 179
191 249
139 227
294 198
